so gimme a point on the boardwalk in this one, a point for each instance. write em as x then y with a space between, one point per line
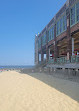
23 92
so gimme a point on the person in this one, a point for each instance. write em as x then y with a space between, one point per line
32 71
73 54
52 55
78 53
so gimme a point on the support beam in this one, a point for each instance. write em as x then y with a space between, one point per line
69 39
55 43
72 46
49 53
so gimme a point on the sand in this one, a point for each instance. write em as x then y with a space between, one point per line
24 92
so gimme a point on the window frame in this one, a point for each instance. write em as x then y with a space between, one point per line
39 43
75 14
51 33
44 39
63 30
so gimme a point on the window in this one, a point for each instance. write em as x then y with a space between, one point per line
73 15
77 11
43 39
51 34
61 25
39 43
58 25
74 18
64 23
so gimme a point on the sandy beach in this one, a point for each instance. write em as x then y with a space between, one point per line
37 92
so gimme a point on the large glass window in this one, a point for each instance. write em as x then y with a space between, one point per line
44 39
61 25
73 15
64 23
77 11
39 43
57 27
51 34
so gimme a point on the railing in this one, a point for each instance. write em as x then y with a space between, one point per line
43 63
58 60
51 61
63 60
75 59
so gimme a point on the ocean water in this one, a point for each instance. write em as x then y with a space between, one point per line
16 67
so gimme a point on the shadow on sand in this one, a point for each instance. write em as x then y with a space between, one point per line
65 86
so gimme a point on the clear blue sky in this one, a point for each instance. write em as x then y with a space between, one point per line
20 20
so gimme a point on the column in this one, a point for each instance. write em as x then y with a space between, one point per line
47 54
47 50
41 56
72 46
69 39
55 43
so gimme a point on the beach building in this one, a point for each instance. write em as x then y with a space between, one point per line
58 42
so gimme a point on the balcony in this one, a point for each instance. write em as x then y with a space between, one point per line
63 60
75 59
64 63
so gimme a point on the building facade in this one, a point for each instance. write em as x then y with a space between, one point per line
60 37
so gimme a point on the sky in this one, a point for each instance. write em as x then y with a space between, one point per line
20 21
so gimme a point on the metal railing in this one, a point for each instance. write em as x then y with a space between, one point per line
63 60
75 59
51 61
42 63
